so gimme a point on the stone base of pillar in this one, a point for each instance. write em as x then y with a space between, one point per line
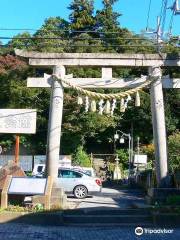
160 195
58 198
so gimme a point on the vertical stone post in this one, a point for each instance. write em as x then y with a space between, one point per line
54 125
159 128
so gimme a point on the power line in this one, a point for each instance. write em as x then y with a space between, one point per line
163 16
148 14
73 31
59 30
83 45
81 38
68 31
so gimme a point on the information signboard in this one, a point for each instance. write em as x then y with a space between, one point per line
18 121
140 159
27 186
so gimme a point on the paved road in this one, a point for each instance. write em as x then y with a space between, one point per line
12 231
111 198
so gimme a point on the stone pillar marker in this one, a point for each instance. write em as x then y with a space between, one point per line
159 128
55 122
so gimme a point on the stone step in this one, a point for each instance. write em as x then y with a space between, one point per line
126 211
144 224
87 219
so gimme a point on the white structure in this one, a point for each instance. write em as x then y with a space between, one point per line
117 170
140 159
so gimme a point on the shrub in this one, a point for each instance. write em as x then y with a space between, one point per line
123 156
174 150
81 158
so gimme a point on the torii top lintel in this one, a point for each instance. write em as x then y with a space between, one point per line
98 59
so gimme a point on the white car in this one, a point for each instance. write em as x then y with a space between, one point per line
77 182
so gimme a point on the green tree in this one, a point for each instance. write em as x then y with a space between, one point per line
55 34
81 17
22 41
82 26
108 26
107 19
15 94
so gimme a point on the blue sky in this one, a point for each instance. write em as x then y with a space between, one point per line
31 13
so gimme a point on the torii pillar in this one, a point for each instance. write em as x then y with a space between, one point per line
54 123
159 127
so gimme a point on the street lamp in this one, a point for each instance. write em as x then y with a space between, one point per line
121 140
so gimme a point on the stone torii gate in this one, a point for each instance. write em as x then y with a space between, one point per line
58 61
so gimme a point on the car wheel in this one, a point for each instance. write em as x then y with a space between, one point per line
80 191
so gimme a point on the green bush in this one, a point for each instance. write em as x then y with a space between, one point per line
123 156
81 158
174 150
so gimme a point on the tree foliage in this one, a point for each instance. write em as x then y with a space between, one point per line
85 31
174 150
81 16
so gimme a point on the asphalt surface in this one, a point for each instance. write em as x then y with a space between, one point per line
111 198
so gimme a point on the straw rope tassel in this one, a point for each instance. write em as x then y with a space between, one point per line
93 106
113 106
137 100
86 104
79 100
101 108
129 98
107 107
122 105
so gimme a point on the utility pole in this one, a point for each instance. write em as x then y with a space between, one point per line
158 34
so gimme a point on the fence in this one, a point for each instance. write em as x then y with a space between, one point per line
27 162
